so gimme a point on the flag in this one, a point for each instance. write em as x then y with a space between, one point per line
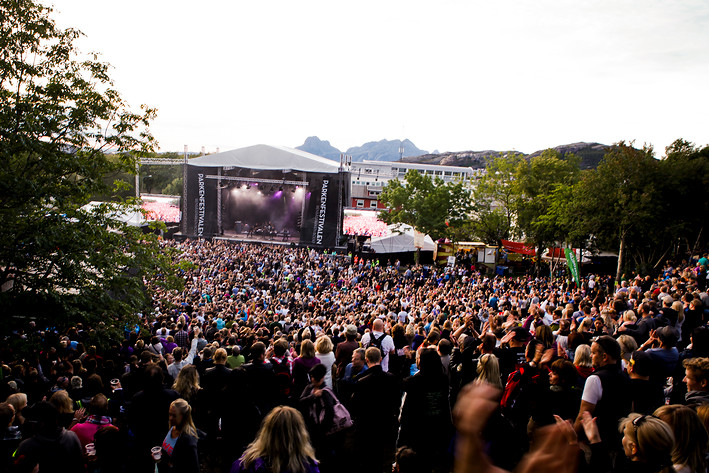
573 265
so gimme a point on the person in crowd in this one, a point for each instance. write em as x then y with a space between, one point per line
282 445
97 418
425 409
378 339
691 438
147 415
52 446
260 378
302 366
317 403
696 377
179 448
645 395
647 442
582 361
187 384
375 407
606 392
489 370
343 353
235 358
324 353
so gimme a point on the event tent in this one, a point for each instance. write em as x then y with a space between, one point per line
267 157
133 218
400 240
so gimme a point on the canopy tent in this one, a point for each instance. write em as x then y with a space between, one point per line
400 240
133 218
516 247
267 157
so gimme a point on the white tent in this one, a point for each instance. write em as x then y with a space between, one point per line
133 218
400 240
268 157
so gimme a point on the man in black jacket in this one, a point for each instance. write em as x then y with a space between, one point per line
148 414
606 394
375 406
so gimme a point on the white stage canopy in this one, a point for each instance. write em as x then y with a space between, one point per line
400 240
267 157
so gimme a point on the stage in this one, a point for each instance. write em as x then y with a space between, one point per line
265 194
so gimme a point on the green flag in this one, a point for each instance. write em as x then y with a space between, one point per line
573 265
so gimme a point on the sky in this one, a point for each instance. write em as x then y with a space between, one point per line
448 75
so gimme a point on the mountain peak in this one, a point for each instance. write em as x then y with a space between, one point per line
382 150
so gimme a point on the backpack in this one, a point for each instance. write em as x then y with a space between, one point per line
377 342
514 395
284 381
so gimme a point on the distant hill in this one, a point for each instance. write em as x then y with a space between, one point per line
589 153
384 150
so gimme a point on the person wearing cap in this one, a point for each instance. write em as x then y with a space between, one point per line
343 353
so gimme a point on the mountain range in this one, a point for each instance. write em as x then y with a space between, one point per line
590 154
383 150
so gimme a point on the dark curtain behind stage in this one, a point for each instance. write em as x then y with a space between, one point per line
257 210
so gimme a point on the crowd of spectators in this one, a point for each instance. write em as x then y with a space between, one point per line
282 359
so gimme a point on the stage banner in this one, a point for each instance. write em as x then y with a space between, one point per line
323 209
573 265
201 202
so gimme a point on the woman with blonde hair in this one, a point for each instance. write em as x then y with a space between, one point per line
691 438
187 383
282 445
179 448
65 407
302 366
19 402
323 349
489 370
648 442
582 360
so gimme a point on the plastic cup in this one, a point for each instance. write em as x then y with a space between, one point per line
114 382
90 449
156 452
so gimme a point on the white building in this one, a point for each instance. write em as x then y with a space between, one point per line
369 177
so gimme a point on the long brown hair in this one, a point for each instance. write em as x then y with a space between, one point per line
282 442
691 437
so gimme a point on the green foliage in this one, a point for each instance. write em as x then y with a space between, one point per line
540 182
431 206
494 201
59 113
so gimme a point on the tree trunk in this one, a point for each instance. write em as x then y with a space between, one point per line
621 255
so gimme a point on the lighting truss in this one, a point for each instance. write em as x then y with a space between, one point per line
257 179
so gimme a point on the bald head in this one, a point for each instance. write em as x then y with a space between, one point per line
378 325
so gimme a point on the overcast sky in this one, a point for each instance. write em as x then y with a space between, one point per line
448 75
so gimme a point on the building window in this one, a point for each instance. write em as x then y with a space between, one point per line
448 173
360 203
373 204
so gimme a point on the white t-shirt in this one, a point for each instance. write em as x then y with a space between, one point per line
387 346
593 390
328 360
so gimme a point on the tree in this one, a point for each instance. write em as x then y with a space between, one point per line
433 207
619 202
495 198
542 182
59 112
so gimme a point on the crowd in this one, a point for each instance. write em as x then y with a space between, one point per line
281 359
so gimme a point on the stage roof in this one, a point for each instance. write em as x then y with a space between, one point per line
267 157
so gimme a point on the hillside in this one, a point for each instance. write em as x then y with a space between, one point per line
589 153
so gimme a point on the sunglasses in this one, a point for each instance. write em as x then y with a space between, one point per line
639 420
